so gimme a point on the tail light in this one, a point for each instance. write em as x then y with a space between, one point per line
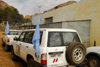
8 40
44 58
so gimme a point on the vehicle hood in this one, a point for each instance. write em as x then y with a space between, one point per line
93 50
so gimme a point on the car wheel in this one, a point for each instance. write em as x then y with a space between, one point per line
6 48
30 63
3 44
93 61
13 56
75 53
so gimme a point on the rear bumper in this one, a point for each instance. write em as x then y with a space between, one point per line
41 65
54 66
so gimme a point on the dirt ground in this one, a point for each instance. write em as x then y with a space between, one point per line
5 58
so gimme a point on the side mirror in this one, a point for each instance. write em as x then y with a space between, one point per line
16 39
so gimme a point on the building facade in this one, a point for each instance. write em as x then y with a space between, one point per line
83 16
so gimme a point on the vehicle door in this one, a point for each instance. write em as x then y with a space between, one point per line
19 43
37 59
56 48
27 45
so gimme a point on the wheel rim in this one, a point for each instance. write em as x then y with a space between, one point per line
93 62
77 54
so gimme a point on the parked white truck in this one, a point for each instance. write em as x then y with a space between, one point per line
58 48
7 38
93 56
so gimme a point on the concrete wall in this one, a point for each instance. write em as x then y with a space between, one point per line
83 28
37 19
86 9
56 25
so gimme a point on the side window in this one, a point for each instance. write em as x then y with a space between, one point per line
68 37
21 37
41 33
76 38
28 37
54 39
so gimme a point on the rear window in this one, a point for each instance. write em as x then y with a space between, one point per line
62 38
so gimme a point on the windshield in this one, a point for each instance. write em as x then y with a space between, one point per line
62 38
14 33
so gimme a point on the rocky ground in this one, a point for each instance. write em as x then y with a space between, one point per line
5 58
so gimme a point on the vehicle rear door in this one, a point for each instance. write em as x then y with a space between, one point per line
57 46
55 50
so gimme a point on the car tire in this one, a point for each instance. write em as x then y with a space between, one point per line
13 56
75 53
31 63
3 44
6 48
93 61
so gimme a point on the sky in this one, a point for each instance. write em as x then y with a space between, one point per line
30 7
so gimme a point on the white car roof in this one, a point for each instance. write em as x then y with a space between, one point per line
15 30
52 29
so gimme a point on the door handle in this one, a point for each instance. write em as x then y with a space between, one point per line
55 52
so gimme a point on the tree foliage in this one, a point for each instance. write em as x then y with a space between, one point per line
11 15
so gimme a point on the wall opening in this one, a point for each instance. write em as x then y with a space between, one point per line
49 20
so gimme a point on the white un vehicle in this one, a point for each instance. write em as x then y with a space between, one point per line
7 38
58 48
93 56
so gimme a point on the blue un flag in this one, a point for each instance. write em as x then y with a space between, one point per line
7 28
36 40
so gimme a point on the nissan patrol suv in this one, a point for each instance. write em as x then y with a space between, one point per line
58 48
7 38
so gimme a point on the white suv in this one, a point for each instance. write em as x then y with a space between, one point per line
58 48
93 56
7 38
